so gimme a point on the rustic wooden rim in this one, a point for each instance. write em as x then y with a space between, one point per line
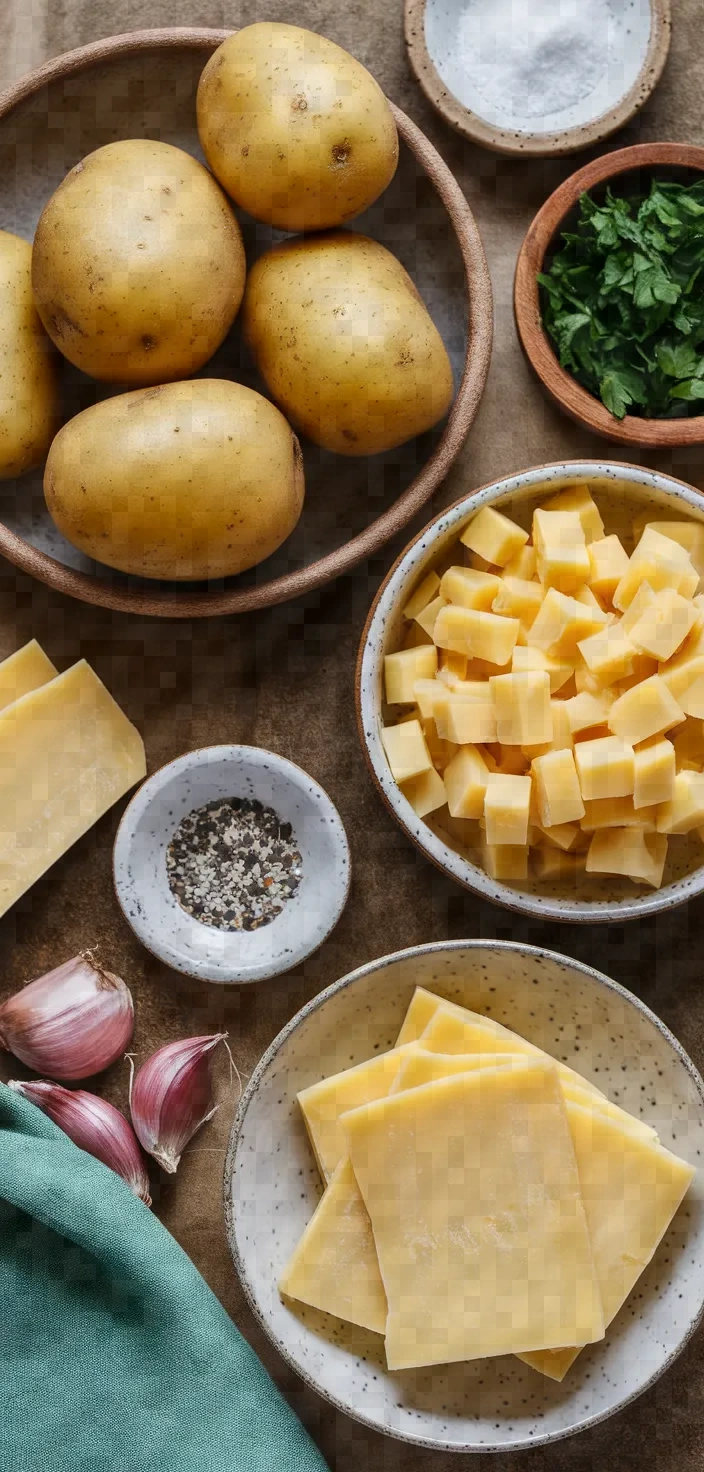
569 395
536 145
303 580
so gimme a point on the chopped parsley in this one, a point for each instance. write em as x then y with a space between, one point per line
623 301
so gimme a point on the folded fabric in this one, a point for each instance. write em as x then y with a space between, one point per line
116 1356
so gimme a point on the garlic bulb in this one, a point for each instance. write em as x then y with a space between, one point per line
171 1097
71 1023
95 1126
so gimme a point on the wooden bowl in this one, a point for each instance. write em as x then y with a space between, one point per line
143 84
441 59
577 402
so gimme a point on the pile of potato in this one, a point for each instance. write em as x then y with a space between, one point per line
136 275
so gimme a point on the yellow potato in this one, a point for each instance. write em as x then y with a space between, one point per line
192 480
29 404
345 343
295 129
138 265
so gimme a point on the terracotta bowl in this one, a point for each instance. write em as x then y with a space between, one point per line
143 84
622 492
633 166
444 49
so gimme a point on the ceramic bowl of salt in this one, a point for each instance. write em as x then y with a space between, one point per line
231 864
538 78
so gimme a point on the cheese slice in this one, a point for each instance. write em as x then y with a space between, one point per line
67 753
334 1267
323 1103
472 1189
25 670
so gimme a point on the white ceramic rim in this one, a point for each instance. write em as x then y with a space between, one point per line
536 953
258 756
396 586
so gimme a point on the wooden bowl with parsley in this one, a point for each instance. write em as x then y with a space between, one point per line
609 295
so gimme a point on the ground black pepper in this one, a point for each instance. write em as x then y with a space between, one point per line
233 864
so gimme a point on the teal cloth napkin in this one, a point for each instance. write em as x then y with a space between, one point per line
114 1354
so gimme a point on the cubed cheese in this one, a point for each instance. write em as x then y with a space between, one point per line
424 594
585 710
425 793
688 743
608 563
646 710
628 851
469 720
689 534
479 635
428 693
660 562
519 599
466 778
552 863
685 810
559 835
406 750
507 809
608 654
523 711
640 601
654 773
506 862
523 565
617 812
605 768
557 788
441 750
493 536
468 588
561 550
525 657
664 625
428 616
580 499
401 671
561 623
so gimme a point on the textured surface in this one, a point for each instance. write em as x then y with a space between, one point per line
285 679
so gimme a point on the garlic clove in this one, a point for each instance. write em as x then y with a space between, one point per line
71 1023
93 1125
171 1096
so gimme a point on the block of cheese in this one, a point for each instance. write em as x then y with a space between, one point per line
605 767
334 1266
466 778
468 720
507 809
654 769
469 588
564 836
322 1104
689 534
557 789
518 598
425 793
27 669
580 499
632 852
523 564
440 1167
526 658
561 549
494 536
609 654
662 627
428 616
685 809
562 623
618 812
67 753
402 669
646 710
406 750
608 561
661 563
479 635
523 709
585 710
424 594
507 863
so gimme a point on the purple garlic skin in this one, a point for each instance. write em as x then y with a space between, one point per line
71 1023
93 1125
172 1096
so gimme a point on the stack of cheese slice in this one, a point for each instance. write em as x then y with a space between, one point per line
481 1198
67 753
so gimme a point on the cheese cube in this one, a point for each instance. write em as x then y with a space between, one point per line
562 623
505 862
469 720
585 680
580 499
523 712
605 767
688 743
441 750
561 550
685 810
401 671
661 563
552 863
452 665
557 789
469 589
608 654
428 616
654 773
646 710
686 683
526 658
406 750
689 534
618 812
664 625
425 793
424 594
628 851
426 694
519 599
474 633
585 710
523 565
608 563
493 536
507 809
466 778
560 835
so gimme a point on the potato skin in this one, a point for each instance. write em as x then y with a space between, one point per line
138 265
296 130
345 344
191 480
29 396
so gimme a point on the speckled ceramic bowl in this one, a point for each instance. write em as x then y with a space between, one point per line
272 1187
161 923
622 493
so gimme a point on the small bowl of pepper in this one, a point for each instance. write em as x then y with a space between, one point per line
609 295
231 864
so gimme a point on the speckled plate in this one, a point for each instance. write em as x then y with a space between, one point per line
272 1187
168 930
